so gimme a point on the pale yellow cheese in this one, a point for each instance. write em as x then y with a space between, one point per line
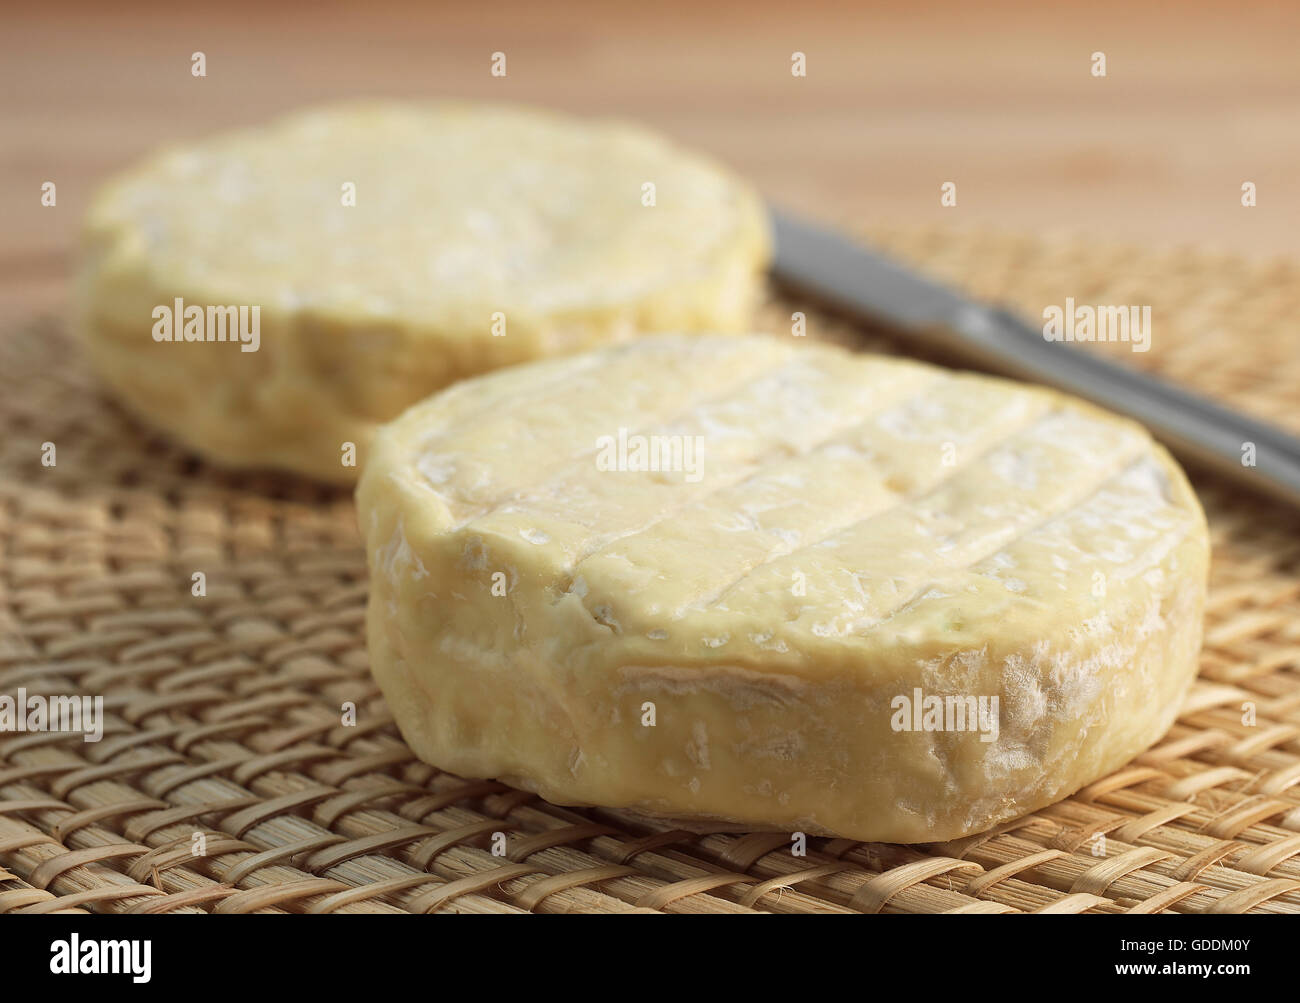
390 250
731 639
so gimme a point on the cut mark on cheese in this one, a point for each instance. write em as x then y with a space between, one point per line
562 371
817 459
551 380
967 504
583 435
1063 506
574 485
1125 498
739 477
926 489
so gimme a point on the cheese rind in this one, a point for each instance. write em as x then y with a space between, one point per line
861 528
390 250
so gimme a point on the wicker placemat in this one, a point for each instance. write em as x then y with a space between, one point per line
223 711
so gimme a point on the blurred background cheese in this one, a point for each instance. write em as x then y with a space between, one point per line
387 250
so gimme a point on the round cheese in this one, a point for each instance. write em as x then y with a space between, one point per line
773 582
272 295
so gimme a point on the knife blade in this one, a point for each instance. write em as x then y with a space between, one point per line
845 275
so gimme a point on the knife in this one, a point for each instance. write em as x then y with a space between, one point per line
831 268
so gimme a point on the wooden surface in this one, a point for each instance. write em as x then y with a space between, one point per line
1198 98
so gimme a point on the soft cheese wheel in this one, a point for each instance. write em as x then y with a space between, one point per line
759 632
390 250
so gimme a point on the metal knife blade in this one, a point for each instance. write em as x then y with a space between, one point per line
834 269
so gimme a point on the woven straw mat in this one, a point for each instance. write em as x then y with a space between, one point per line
223 712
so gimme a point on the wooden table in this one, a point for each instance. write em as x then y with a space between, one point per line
1000 100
